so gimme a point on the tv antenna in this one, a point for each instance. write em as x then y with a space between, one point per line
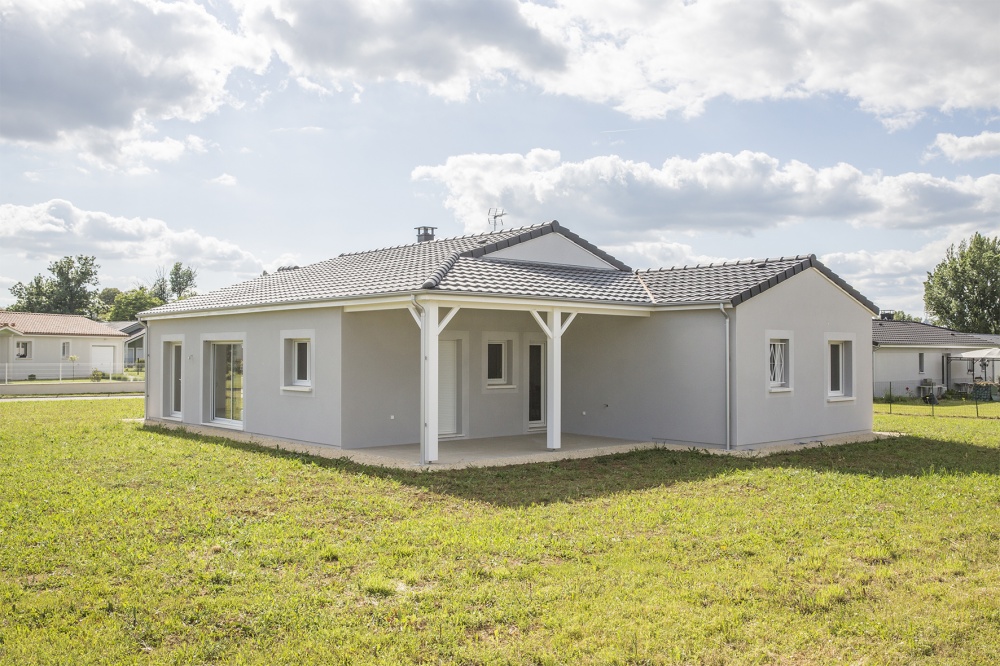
493 217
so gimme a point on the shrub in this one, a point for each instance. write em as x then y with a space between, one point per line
31 378
97 375
119 378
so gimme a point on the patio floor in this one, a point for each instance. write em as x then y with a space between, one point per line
513 450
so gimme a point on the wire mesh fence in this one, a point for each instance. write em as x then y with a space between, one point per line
979 399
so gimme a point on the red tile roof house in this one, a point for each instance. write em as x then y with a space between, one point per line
515 332
42 344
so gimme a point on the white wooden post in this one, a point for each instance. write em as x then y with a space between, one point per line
553 440
429 331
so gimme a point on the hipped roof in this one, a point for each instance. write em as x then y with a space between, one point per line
465 265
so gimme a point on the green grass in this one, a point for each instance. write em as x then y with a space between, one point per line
120 544
961 407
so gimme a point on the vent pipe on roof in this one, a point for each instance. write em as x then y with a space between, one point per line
425 234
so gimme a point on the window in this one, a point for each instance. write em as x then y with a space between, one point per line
779 349
920 363
65 350
840 368
499 352
777 359
22 349
496 363
971 368
172 373
297 360
227 382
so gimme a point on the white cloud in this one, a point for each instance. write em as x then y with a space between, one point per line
741 192
225 180
956 148
57 228
85 73
897 58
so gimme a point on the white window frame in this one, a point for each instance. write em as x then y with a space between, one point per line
206 379
29 349
509 341
788 339
167 344
920 363
66 349
848 349
288 353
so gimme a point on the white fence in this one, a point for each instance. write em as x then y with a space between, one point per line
68 371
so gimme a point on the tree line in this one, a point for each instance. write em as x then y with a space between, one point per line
72 288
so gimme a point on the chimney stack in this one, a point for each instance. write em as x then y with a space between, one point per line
425 234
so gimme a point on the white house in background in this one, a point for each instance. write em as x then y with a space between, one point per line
43 344
914 356
135 344
513 332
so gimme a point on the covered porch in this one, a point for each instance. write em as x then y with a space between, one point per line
488 377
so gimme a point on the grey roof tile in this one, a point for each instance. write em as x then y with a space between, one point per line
918 334
520 278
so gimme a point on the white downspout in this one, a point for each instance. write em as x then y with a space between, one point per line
729 420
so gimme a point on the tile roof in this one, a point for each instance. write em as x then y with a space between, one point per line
917 334
735 282
32 323
520 278
464 265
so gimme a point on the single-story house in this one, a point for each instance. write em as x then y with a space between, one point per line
44 345
512 332
913 358
135 344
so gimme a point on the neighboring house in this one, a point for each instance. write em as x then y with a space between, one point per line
135 344
43 344
912 356
513 332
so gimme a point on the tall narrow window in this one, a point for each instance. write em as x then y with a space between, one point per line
227 375
496 365
176 380
301 354
836 368
65 350
778 363
920 363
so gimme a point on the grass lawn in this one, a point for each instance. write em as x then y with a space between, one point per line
120 544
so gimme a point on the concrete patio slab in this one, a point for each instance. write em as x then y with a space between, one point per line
503 451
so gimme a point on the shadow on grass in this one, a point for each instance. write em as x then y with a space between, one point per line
589 478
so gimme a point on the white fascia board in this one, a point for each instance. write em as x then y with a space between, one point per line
403 300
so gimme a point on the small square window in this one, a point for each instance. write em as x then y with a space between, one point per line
22 349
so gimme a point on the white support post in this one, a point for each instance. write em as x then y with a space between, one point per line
429 331
553 330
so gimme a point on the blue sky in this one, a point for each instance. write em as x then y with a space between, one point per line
239 136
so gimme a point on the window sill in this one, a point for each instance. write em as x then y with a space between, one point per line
298 389
779 389
839 398
229 425
501 387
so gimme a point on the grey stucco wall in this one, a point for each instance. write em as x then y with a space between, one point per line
640 378
313 416
46 355
901 367
810 307
382 376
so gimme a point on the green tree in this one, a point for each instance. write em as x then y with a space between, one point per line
963 291
182 280
108 295
899 315
129 303
160 287
70 290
